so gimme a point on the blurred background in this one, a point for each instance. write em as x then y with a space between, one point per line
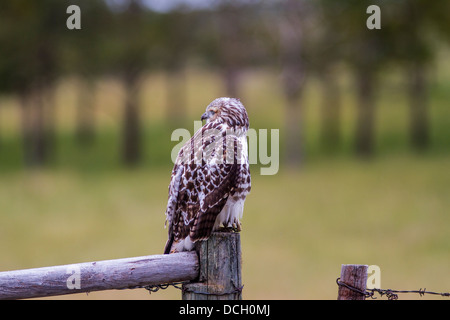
86 118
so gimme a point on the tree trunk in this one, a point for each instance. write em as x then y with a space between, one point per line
0 130
294 136
35 128
292 77
131 148
85 130
25 122
331 112
419 120
231 77
176 96
38 150
293 80
366 109
230 49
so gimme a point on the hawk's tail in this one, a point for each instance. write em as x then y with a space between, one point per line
168 245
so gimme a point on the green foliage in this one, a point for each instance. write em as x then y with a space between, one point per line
29 40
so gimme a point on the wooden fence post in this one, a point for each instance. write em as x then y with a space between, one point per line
220 269
354 275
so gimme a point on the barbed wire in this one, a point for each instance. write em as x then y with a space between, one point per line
157 287
389 293
179 285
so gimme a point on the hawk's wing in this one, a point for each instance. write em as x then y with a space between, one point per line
198 189
174 188
217 189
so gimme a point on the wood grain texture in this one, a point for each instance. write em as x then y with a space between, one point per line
220 275
354 275
100 275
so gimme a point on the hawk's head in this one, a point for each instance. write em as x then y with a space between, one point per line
227 110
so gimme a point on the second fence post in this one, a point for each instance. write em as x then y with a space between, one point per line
354 275
220 269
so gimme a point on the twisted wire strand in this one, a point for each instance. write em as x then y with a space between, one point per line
389 293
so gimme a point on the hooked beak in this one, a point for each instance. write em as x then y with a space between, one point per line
204 116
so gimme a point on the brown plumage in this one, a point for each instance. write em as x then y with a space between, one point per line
211 177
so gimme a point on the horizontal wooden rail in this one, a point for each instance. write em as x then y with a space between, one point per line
100 275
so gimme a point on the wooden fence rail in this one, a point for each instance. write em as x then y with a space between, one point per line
217 272
99 275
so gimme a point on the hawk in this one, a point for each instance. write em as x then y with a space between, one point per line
211 177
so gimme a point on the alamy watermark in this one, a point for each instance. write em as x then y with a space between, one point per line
74 280
373 277
374 20
73 22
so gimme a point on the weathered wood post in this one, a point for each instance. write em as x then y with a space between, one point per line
354 275
220 269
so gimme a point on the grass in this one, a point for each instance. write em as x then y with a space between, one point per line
383 213
298 227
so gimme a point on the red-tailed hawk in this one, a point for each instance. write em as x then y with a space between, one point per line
211 177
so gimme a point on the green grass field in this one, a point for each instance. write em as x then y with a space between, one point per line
299 226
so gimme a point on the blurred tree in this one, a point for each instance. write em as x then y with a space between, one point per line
230 41
230 38
175 38
418 56
409 29
419 25
330 135
29 67
291 25
325 52
365 51
128 51
82 55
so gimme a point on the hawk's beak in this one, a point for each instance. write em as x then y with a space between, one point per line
204 116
